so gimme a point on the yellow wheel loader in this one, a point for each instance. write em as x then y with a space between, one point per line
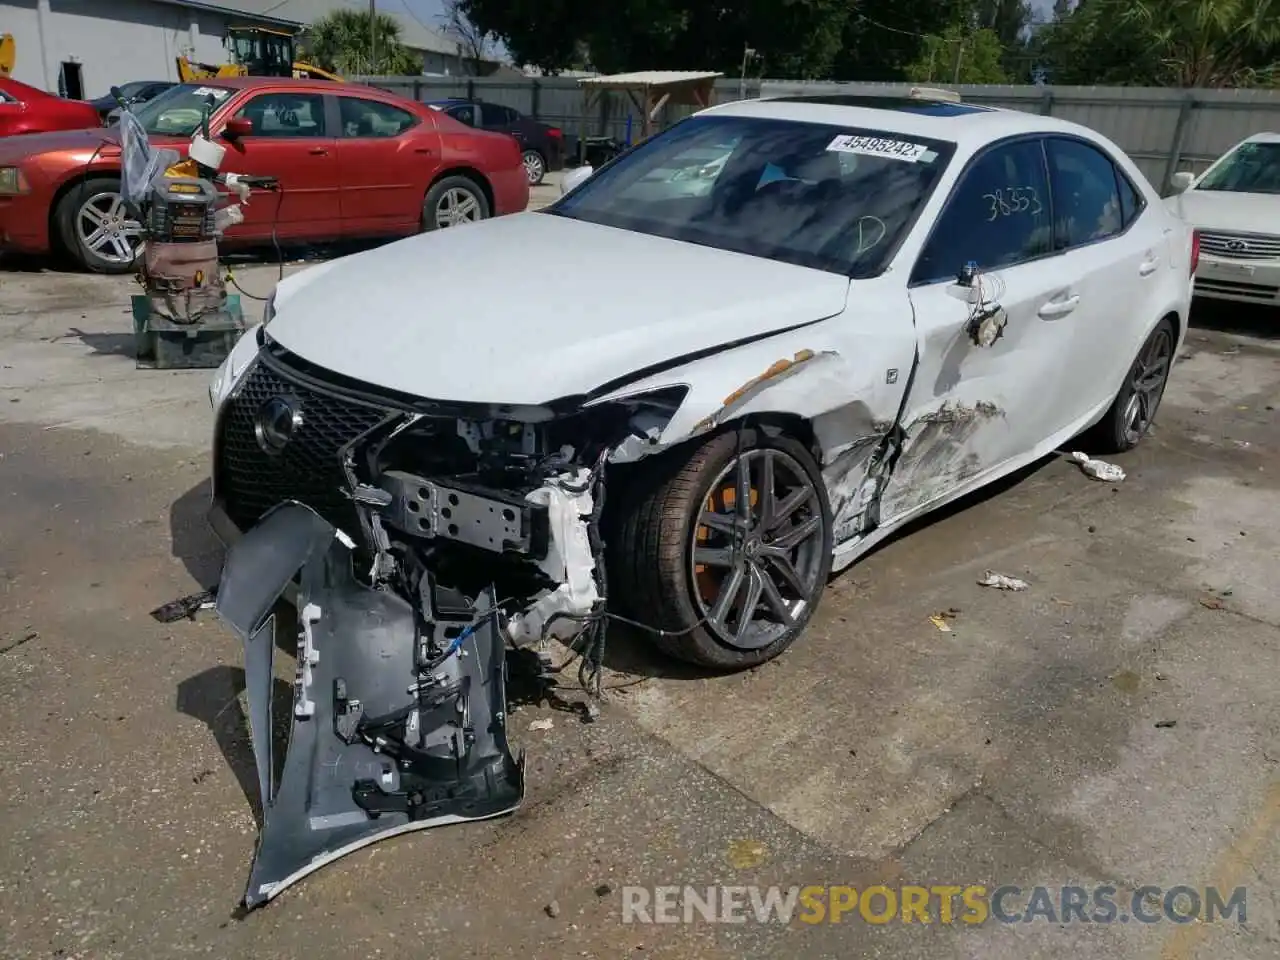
8 54
255 52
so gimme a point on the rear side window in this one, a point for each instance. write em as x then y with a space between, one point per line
1086 199
369 118
997 216
1132 202
464 114
497 116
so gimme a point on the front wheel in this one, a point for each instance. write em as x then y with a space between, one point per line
96 230
728 552
1134 409
452 202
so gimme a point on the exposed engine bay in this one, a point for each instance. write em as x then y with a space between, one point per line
454 538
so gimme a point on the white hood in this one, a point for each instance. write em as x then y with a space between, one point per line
529 308
1228 212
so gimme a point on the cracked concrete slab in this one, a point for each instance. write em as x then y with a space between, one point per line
1019 748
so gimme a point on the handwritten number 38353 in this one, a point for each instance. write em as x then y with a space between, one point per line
1005 203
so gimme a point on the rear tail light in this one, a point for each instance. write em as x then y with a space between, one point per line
1195 251
555 134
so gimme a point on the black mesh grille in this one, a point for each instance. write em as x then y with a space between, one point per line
308 469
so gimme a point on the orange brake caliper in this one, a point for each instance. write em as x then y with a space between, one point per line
708 578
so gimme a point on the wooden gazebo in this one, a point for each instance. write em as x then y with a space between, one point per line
651 90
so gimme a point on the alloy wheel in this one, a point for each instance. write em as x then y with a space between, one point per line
533 166
1146 380
455 207
105 229
755 554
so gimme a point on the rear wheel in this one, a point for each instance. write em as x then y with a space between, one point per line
535 167
729 549
96 230
452 202
1134 409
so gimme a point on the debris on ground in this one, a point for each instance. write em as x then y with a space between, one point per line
746 854
1212 603
1002 582
184 607
1098 469
1165 724
940 619
553 909
545 723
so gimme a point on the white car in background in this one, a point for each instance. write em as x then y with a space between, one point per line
1235 206
867 309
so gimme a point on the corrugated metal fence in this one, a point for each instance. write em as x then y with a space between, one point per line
1163 130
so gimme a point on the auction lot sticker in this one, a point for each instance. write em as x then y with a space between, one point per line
879 147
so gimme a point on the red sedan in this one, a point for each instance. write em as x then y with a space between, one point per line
352 161
24 109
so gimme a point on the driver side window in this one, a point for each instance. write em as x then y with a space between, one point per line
285 115
997 216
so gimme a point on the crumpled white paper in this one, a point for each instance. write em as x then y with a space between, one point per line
1001 582
1098 469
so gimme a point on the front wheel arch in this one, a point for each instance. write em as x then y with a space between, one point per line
654 523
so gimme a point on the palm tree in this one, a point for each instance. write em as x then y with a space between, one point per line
1178 43
344 42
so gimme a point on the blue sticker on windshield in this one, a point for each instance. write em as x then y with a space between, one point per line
771 173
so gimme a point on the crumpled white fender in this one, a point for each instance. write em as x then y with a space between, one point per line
569 561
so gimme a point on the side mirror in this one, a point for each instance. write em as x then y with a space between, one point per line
238 127
1182 181
575 178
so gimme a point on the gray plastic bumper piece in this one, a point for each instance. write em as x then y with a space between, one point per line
389 733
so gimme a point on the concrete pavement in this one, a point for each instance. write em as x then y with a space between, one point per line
1029 745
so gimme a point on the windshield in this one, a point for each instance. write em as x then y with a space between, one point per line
133 88
833 198
177 111
1250 168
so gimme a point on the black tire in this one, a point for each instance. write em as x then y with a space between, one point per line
535 165
445 192
656 578
93 191
1130 415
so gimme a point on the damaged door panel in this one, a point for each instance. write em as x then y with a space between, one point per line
399 707
994 327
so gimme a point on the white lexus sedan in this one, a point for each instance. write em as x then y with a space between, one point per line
1235 206
675 407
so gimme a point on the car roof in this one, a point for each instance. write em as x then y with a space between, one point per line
17 87
967 125
1264 137
296 83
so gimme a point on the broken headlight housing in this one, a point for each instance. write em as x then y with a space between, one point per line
234 367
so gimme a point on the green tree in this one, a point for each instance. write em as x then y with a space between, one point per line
344 42
1177 43
959 55
796 38
882 38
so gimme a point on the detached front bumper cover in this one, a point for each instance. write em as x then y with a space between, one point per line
398 713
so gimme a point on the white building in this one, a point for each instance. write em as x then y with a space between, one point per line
82 47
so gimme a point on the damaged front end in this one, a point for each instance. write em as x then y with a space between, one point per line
420 543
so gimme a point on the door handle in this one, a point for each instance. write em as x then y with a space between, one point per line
1149 267
423 150
318 151
1059 308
